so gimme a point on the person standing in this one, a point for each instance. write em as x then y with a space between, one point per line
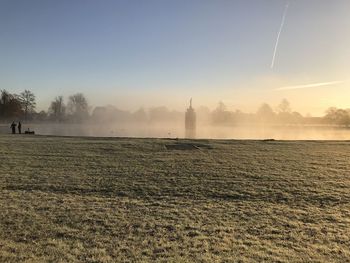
19 127
13 127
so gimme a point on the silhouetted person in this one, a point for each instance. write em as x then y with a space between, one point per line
13 127
19 127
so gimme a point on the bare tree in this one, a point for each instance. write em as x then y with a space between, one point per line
265 113
284 107
57 109
140 115
10 105
221 115
28 102
78 107
338 116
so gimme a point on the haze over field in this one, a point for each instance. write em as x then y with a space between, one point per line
204 132
78 118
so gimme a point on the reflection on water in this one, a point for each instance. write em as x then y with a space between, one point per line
171 130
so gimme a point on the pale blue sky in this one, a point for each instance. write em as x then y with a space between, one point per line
133 53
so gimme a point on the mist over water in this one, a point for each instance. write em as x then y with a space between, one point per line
219 123
204 131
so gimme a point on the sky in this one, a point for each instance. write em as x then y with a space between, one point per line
133 53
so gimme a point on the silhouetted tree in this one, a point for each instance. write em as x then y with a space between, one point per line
284 107
163 114
57 109
109 114
220 115
140 115
284 112
337 116
100 114
40 116
265 113
28 102
331 114
10 105
296 117
78 107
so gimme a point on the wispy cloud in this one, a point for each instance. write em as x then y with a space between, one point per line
279 35
313 85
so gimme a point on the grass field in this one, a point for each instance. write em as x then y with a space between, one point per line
68 199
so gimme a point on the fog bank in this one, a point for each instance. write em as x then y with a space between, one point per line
176 130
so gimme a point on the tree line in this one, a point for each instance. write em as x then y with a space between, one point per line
77 109
13 106
23 107
282 114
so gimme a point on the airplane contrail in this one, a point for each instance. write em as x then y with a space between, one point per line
279 35
311 85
